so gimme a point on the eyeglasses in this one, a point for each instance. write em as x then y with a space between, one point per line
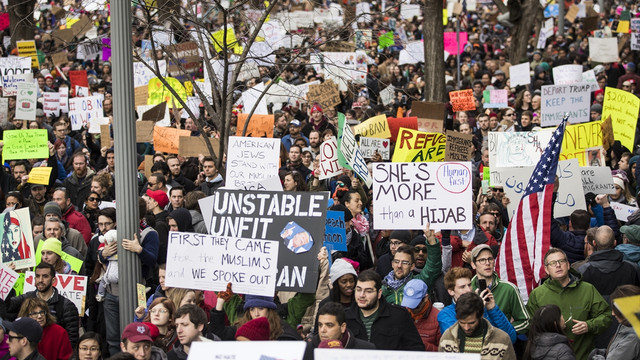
11 337
404 262
557 262
485 261
105 223
92 349
93 199
37 313
151 184
395 243
511 114
421 249
159 311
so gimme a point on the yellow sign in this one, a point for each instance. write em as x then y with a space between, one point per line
40 175
375 127
630 307
25 144
231 41
142 296
623 108
580 137
418 146
28 48
159 93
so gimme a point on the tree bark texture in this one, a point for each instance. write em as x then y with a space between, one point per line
22 25
432 30
523 30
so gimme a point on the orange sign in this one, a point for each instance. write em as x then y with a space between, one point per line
259 125
167 139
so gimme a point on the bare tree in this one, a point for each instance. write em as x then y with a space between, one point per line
432 30
21 18
531 14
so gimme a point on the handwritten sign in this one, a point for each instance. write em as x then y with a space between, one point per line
25 144
409 195
580 137
623 108
351 152
193 146
357 354
14 65
495 98
10 83
623 211
567 74
376 127
329 166
572 99
142 74
249 350
144 131
72 287
418 146
597 180
8 278
64 99
589 77
604 50
84 110
459 146
167 139
325 94
369 146
509 149
335 235
251 159
259 125
451 44
294 219
462 100
51 104
28 48
269 184
40 175
26 101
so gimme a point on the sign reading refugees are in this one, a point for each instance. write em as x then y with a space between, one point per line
418 146
410 195
25 144
375 127
335 234
8 278
597 180
294 219
329 166
572 99
72 287
83 110
369 146
623 108
251 159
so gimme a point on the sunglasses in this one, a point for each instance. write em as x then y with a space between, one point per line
93 199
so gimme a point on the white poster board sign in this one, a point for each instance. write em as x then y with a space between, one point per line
329 166
83 110
523 148
51 105
8 278
26 101
408 195
355 354
14 65
251 159
142 74
72 287
353 156
604 50
10 83
589 77
597 180
567 74
369 146
247 350
622 211
520 74
572 99
64 99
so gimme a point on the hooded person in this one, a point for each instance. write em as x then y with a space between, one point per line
182 217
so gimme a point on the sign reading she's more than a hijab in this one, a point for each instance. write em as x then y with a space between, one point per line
294 219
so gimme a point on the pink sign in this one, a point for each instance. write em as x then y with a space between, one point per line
450 43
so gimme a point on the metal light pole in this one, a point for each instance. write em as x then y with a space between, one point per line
458 48
124 131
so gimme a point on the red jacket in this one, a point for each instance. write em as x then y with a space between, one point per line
55 343
77 221
429 329
481 237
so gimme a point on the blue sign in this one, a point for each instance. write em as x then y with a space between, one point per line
551 11
335 234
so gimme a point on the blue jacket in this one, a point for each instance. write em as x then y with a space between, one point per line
630 252
447 317
287 141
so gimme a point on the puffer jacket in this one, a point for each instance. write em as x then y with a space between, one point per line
625 345
552 346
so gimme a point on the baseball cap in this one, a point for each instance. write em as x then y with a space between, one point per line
135 332
476 251
159 196
295 123
414 292
632 232
26 327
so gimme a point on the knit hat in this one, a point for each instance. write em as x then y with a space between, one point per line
259 301
596 108
414 291
26 327
619 178
54 245
632 232
330 344
315 108
402 235
52 208
255 330
418 240
159 196
339 268
347 213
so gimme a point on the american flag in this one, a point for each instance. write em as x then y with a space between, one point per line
528 236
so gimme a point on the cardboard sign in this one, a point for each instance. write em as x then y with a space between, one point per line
604 50
607 133
156 113
395 124
376 127
84 110
409 195
249 350
28 48
335 235
166 139
144 131
40 175
142 295
105 135
195 145
295 219
210 262
8 278
251 159
329 165
520 74
259 125
17 239
623 108
597 180
141 94
459 146
10 83
351 152
72 287
572 99
580 137
325 94
495 98
567 74
15 65
462 100
26 101
25 144
387 95
51 104
369 146
59 58
418 146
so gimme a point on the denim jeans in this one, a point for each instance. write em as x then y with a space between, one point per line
112 322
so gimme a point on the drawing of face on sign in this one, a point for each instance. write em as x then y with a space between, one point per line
516 151
296 238
14 244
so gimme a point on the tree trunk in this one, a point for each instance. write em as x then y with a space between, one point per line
21 20
522 32
432 30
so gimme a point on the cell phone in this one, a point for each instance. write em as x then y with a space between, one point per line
482 285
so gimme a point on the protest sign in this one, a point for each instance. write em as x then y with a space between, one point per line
375 127
4 109
159 92
635 41
325 94
8 278
40 175
572 99
142 295
72 287
51 104
430 116
252 101
623 108
519 74
248 350
507 149
269 184
357 354
64 99
95 124
369 146
88 50
635 25
351 152
495 98
141 94
144 131
25 144
597 180
452 45
78 78
295 219
10 83
580 137
459 146
335 234
193 146
607 133
167 139
629 307
410 195
259 125
589 77
28 48
567 74
17 238
251 159
15 65
462 100
387 95
622 211
329 166
105 133
418 146
26 101
395 124
142 74
604 50
84 110
210 262
155 112
106 49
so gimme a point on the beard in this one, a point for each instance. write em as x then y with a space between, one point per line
370 305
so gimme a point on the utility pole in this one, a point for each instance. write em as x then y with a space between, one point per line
124 131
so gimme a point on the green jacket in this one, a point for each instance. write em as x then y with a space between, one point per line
432 269
580 301
509 301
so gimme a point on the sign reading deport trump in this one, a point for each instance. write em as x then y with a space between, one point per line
260 240
410 195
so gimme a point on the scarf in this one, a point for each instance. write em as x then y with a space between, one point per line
361 224
394 283
480 331
422 312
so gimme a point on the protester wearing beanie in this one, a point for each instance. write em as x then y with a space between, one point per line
384 262
343 282
52 208
52 254
254 330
